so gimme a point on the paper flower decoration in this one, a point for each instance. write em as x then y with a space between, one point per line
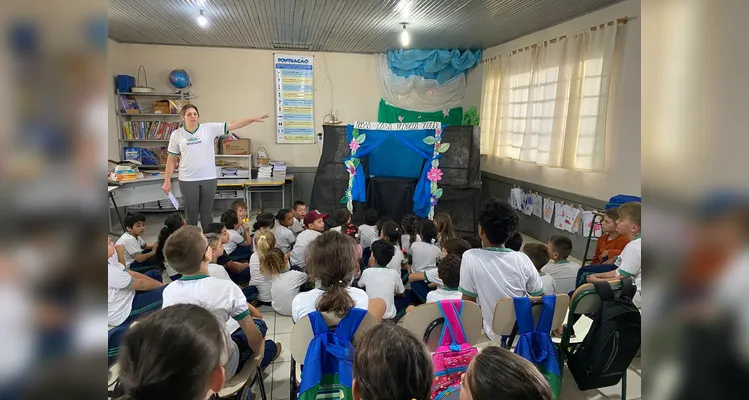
434 174
354 145
351 170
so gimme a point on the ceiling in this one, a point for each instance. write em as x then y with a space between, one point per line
351 26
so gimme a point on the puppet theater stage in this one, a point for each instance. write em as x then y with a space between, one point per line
422 168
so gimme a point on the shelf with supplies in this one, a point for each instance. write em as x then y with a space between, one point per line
148 115
179 95
145 140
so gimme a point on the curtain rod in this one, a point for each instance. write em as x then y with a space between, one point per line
622 21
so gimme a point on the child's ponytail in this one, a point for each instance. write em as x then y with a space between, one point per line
265 241
264 220
332 259
173 222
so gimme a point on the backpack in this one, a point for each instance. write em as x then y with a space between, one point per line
613 341
453 355
328 362
620 199
535 345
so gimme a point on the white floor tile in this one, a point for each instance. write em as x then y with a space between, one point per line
634 389
284 324
266 309
571 392
270 322
281 384
284 338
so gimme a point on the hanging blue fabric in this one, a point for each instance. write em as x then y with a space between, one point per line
414 141
441 65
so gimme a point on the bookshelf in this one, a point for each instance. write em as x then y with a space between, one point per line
145 128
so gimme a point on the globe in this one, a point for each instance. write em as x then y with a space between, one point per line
179 79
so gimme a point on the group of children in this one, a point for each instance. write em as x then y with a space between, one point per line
293 264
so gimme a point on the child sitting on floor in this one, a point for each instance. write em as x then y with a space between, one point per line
496 373
444 225
391 234
189 254
409 225
342 218
238 271
130 246
264 242
240 207
239 246
454 247
539 255
425 253
332 262
562 270
173 222
391 363
611 243
130 294
285 238
495 272
380 281
353 231
300 210
449 273
286 283
314 223
368 231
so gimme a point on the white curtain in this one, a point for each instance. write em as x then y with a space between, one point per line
549 105
416 93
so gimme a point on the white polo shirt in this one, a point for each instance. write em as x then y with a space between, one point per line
197 156
564 274
368 235
306 302
382 283
395 263
406 241
629 265
217 271
424 256
497 273
284 238
235 239
298 226
550 286
300 247
132 246
119 294
444 294
260 281
284 289
336 229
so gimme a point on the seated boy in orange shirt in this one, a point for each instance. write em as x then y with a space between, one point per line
611 243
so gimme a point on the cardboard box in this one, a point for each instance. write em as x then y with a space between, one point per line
236 147
168 106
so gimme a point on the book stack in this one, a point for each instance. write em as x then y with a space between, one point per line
264 171
279 169
125 173
145 130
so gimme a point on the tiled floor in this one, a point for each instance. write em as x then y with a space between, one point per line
276 376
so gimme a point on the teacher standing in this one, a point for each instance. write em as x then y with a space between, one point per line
192 145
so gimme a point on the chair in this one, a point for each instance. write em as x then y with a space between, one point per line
505 321
585 300
301 336
241 382
426 321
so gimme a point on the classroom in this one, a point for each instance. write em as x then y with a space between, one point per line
396 199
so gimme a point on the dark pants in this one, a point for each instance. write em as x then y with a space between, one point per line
250 293
240 278
401 303
244 348
146 302
144 266
419 290
241 253
198 197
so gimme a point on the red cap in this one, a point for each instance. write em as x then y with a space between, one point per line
314 215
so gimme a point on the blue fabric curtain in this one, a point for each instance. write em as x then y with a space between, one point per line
441 65
414 141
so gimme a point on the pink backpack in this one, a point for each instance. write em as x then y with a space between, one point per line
453 355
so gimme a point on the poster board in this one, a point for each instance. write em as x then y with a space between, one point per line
293 83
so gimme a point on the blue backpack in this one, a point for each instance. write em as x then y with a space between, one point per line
620 199
535 345
328 364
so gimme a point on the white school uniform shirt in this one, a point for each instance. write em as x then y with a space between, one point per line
382 283
424 256
235 239
300 247
444 294
284 238
336 229
368 235
564 274
395 263
406 242
306 302
432 276
119 293
285 288
298 226
628 264
132 246
260 281
197 156
550 286
493 274
217 271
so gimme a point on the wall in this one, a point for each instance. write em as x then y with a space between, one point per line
238 83
623 174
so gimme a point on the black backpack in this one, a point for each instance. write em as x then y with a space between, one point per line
612 342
